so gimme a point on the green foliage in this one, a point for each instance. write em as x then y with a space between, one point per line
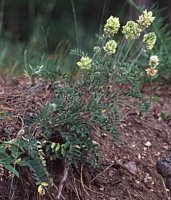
164 116
23 152
73 120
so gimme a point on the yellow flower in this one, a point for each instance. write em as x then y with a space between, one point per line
112 26
110 47
85 62
131 30
96 49
41 188
149 40
45 184
154 61
145 19
151 71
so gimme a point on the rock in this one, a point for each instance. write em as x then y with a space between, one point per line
147 178
168 183
148 144
131 166
145 148
139 156
163 167
101 189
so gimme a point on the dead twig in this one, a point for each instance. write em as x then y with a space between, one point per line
75 188
165 189
62 181
90 189
55 186
82 183
101 172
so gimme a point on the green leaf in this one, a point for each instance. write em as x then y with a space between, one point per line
164 116
23 163
5 159
12 169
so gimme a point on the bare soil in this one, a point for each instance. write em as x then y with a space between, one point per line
127 168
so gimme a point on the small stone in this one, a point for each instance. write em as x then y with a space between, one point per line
158 154
102 189
139 156
165 147
96 143
131 166
147 178
148 144
152 183
145 148
143 154
104 135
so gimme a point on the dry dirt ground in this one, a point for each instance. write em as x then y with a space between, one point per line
127 168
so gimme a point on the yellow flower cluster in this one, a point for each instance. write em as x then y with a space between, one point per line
96 49
110 47
112 26
41 188
145 19
131 30
41 153
149 40
151 71
1 171
85 62
153 62
42 157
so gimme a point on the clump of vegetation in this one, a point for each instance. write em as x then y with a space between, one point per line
84 104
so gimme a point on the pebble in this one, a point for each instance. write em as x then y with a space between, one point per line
139 156
158 154
147 178
145 148
148 144
131 166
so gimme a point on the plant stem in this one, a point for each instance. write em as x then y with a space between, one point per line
138 48
128 51
139 54
151 91
120 48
